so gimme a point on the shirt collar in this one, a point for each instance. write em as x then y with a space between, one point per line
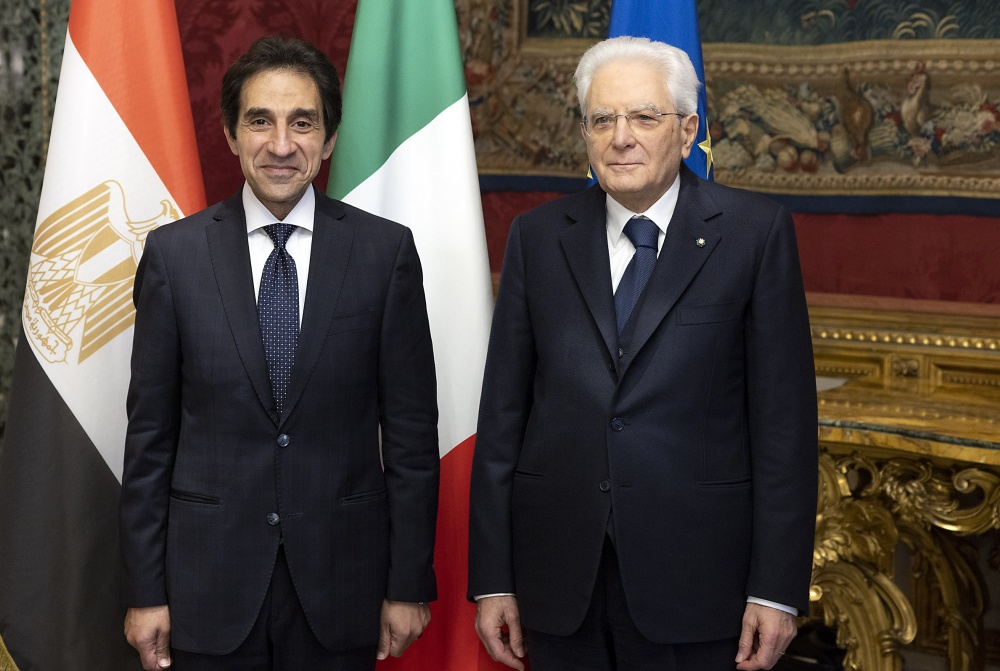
258 216
659 212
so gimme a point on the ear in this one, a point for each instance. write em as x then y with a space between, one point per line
328 146
231 141
689 131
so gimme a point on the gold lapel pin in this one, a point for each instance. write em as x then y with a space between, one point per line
700 242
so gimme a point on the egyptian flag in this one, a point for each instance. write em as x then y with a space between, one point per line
404 151
122 160
674 22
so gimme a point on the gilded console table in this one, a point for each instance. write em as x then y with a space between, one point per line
909 453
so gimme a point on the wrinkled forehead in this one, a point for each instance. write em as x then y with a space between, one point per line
627 85
275 85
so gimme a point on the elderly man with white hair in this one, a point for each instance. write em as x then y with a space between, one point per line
644 482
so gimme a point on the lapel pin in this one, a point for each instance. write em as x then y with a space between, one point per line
700 242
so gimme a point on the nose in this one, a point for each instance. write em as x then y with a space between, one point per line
623 136
281 143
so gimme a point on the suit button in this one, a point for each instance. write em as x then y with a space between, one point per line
605 485
273 519
283 440
617 424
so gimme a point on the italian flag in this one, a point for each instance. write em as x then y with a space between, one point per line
122 160
404 151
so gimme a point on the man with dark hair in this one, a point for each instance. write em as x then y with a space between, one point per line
279 493
644 482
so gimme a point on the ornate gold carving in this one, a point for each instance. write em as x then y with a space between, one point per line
872 617
948 596
841 370
966 502
866 507
905 367
852 583
910 457
887 337
970 378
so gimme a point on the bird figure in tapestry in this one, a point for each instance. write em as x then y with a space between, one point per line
856 114
916 106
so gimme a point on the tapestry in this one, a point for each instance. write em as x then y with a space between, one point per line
843 98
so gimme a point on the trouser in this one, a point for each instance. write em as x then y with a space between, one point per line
608 639
280 639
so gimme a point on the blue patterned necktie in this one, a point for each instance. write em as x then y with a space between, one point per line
278 312
643 233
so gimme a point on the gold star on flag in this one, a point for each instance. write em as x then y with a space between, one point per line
706 147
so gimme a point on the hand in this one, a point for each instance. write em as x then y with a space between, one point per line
148 631
402 623
492 614
766 633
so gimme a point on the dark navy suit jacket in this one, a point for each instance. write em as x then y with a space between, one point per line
699 437
214 479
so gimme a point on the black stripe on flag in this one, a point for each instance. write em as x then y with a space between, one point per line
60 570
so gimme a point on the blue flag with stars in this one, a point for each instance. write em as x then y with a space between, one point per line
674 22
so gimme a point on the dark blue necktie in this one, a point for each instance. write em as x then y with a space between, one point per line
278 312
643 233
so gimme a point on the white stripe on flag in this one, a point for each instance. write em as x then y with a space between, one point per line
430 185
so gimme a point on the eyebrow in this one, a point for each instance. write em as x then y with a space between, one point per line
306 112
635 108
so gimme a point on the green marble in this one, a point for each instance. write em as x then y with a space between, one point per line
32 33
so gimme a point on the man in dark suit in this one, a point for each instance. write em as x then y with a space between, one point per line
279 494
644 482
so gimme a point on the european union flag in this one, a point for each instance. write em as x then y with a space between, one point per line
674 22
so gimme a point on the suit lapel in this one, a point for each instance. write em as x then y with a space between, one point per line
333 235
585 244
230 254
680 259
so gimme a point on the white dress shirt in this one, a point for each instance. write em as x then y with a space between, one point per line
299 244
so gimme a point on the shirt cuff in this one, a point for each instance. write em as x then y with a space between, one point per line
483 596
772 604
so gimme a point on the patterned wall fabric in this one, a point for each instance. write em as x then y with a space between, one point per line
32 33
215 32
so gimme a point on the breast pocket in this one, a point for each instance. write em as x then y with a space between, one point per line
351 323
710 314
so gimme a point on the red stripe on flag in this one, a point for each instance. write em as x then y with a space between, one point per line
133 50
450 642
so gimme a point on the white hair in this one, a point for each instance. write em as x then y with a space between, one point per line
678 73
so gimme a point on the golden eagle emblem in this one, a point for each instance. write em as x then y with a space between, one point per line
82 268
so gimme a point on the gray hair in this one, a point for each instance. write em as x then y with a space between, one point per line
678 73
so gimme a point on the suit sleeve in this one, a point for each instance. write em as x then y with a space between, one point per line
153 406
408 420
781 390
503 416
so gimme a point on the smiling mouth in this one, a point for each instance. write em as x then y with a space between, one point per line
279 170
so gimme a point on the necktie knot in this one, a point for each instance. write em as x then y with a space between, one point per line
642 232
279 233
